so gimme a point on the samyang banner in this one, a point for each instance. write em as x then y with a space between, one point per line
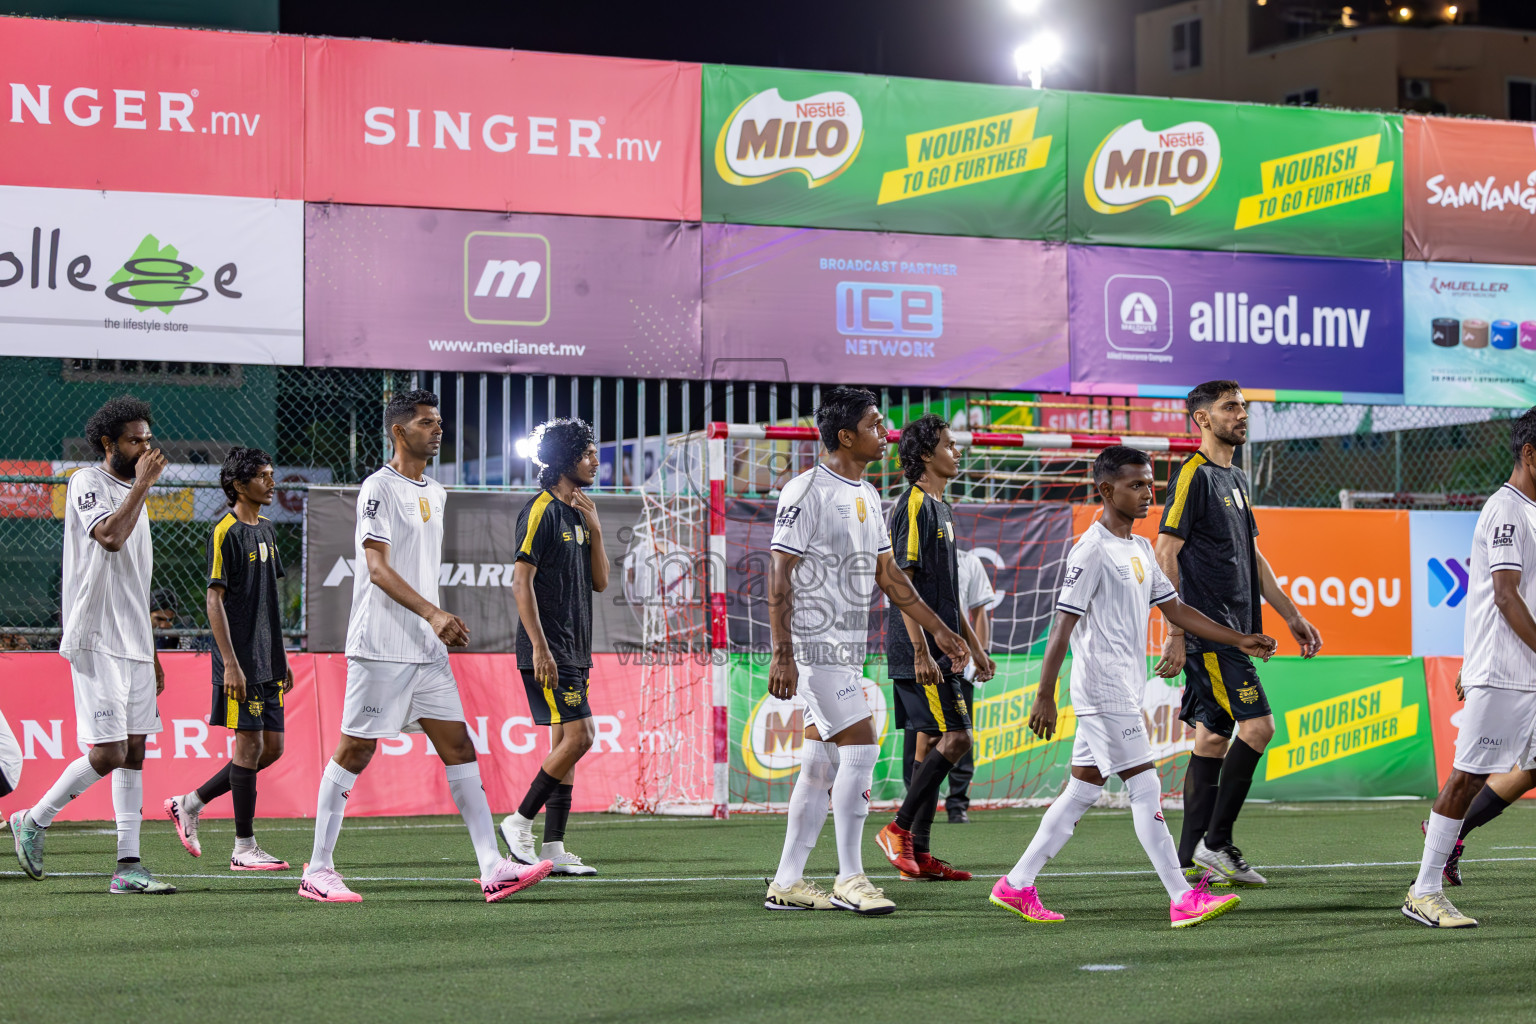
1469 334
883 154
1157 322
1469 190
1196 175
411 124
475 582
140 275
139 109
798 304
456 290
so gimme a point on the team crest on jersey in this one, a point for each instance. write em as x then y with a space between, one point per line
426 509
581 534
86 501
262 547
787 516
862 510
1141 574
371 509
1073 575
1248 694
1504 536
1237 496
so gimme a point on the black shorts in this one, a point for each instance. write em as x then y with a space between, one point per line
565 702
261 711
1220 687
933 709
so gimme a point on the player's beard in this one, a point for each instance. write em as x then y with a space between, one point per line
121 464
1231 437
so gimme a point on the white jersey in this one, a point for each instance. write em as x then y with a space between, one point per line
1503 539
1111 583
407 515
975 589
105 593
835 526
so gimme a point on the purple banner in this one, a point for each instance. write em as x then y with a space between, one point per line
408 289
844 307
1159 321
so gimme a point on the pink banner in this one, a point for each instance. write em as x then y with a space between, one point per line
404 778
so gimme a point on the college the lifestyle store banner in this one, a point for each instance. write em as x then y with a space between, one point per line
507 293
1199 175
1469 334
1469 190
805 148
862 307
1157 322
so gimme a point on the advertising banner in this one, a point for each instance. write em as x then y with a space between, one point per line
1469 334
1441 545
456 290
804 148
796 304
112 275
1445 708
1469 190
1192 175
408 124
130 108
475 582
1291 328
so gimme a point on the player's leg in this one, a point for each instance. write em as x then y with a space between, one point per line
1015 891
1235 686
10 759
557 809
128 784
1202 776
809 804
564 704
250 756
958 803
937 712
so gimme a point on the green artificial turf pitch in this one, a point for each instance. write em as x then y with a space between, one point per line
674 930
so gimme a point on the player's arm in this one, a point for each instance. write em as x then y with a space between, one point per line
1507 599
1192 620
450 629
898 588
783 676
545 671
924 667
1042 717
1306 634
1166 552
113 532
218 622
588 509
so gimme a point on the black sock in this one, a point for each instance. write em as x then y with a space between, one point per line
1486 806
926 781
1200 781
922 826
1236 777
242 789
216 786
909 761
540 790
557 809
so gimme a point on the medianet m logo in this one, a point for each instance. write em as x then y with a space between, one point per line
1447 582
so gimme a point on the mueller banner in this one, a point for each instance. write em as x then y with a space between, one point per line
1190 175
1469 190
140 275
408 124
459 290
797 304
1440 562
138 109
475 582
883 154
1469 334
1156 322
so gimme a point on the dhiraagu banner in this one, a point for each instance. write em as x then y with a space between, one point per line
812 149
1179 174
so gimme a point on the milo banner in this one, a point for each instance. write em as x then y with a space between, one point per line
1187 175
885 154
475 582
1469 334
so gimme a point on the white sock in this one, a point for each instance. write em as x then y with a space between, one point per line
520 822
549 851
330 806
192 803
1055 829
1439 840
469 795
128 806
850 804
809 803
245 844
78 776
1146 811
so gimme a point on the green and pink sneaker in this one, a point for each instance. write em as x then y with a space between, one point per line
1025 902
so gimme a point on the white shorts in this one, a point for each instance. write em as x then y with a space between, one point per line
10 759
1495 730
386 698
114 697
834 696
1111 743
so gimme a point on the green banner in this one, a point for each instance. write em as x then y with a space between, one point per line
1178 174
812 149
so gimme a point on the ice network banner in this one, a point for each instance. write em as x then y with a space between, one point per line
1157 322
151 276
1469 334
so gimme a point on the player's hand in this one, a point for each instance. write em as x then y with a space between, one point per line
1042 717
149 467
545 672
1257 645
288 683
450 629
1172 661
588 508
1461 694
927 670
1307 636
159 677
783 674
986 668
952 644
234 682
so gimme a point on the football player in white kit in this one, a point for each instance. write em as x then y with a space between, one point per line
398 678
10 760
108 562
1497 731
1111 581
830 544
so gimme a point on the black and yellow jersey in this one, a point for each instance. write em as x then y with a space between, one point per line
552 537
923 542
244 564
1208 507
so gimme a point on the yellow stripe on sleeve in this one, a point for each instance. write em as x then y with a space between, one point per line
1181 489
1218 685
914 506
219 533
535 515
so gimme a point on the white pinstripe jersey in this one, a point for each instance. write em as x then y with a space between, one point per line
105 593
407 515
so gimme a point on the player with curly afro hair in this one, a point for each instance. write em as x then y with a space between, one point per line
242 465
558 446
